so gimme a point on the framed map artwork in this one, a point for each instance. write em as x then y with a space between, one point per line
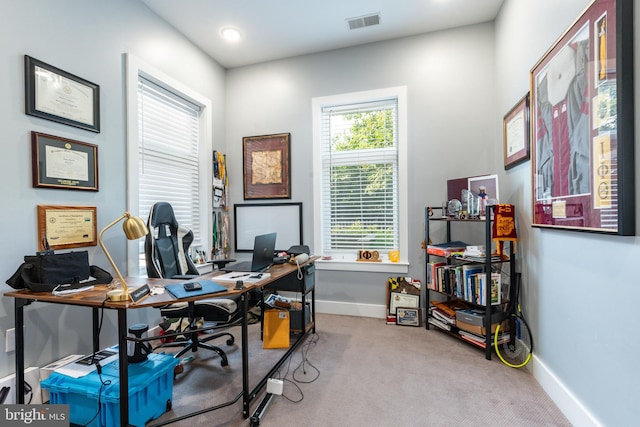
267 166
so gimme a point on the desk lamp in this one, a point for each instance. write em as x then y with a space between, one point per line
134 228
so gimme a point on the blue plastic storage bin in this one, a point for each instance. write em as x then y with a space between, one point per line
150 392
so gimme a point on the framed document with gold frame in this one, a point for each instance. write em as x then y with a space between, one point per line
66 227
63 163
266 166
401 299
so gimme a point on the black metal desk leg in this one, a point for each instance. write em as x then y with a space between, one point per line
313 308
124 367
19 325
96 330
244 301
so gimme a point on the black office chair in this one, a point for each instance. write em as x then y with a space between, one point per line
167 256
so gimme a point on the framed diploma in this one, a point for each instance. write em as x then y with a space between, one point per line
399 299
401 292
266 166
63 163
67 226
57 95
516 134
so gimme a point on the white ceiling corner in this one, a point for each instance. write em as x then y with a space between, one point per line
285 28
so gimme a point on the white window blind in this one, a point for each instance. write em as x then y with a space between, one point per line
360 199
169 128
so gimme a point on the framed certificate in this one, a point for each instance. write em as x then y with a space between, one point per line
59 96
408 316
516 134
64 227
63 163
399 299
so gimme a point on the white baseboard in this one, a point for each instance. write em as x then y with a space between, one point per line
568 403
351 309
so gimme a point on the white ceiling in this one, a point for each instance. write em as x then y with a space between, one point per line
283 28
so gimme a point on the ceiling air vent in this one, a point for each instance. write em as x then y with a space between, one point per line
364 21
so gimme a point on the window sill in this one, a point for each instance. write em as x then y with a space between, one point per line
372 267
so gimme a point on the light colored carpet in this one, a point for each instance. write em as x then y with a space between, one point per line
362 372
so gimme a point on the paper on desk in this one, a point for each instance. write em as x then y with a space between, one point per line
84 366
72 288
245 277
62 291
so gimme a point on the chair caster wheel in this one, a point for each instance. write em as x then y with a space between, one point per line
224 363
168 405
230 341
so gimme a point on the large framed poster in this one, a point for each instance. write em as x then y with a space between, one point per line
582 125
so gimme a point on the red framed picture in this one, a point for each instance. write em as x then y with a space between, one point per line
267 173
582 132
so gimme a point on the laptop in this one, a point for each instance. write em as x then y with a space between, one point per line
263 248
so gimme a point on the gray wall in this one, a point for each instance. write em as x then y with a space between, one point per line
449 78
86 38
460 83
580 289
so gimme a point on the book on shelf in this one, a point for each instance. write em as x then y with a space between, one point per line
447 249
432 274
496 288
450 307
445 278
496 291
480 340
477 251
482 259
443 317
469 276
437 323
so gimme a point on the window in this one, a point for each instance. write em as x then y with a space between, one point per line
166 149
360 173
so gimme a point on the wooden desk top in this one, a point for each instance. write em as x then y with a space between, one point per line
96 297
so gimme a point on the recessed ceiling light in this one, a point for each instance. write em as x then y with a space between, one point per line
230 34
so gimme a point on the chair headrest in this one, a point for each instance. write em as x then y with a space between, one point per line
162 213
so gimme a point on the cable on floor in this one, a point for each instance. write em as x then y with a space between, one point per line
302 365
99 367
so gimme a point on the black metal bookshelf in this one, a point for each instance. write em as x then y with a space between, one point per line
490 263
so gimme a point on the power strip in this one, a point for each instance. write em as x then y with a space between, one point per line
274 386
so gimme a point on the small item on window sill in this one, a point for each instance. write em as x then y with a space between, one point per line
368 256
326 257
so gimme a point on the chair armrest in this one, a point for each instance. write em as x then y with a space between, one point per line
221 263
